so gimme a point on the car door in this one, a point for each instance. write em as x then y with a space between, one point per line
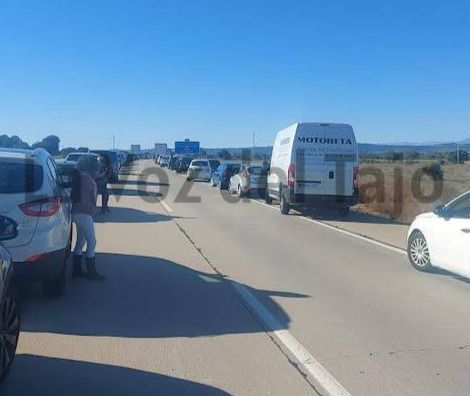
459 237
454 234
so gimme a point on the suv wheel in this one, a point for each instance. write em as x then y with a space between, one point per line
9 334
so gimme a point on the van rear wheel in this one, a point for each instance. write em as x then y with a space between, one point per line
284 206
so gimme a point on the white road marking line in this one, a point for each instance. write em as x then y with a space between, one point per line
166 206
323 379
341 231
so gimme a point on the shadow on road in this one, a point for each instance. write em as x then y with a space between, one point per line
334 215
40 376
129 215
444 273
148 297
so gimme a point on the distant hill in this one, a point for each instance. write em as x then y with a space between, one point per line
267 150
368 148
364 148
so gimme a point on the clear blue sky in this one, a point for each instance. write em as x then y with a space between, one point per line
156 71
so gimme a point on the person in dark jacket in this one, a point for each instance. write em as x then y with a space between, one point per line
102 183
83 196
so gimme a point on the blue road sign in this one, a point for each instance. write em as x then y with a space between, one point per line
187 147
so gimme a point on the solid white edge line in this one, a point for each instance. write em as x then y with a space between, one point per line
166 206
324 380
345 232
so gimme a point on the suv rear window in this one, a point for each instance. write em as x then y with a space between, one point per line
19 177
199 163
74 157
257 171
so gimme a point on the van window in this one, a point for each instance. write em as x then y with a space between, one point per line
20 177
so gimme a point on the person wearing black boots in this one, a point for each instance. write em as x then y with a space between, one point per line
84 193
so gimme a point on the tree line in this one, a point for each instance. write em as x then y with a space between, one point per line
51 143
411 156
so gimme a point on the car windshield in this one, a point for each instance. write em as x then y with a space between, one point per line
19 177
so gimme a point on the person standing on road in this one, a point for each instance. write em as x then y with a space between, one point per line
84 194
102 182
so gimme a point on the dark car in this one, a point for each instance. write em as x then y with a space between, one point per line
9 313
65 171
183 164
113 161
214 164
172 163
221 176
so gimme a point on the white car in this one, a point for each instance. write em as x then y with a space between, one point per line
163 161
31 194
248 179
442 238
199 170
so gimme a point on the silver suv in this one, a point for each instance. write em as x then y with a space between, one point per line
32 194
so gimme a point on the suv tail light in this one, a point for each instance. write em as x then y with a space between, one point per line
356 177
291 176
42 207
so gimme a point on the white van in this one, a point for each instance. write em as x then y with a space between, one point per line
314 164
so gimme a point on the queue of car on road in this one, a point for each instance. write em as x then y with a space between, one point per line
440 239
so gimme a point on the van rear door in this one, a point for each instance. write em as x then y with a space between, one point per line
309 160
340 154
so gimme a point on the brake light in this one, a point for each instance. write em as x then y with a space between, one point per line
356 177
42 207
291 176
37 257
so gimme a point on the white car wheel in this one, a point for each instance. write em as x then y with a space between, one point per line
418 252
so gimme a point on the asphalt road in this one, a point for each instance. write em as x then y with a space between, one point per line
170 318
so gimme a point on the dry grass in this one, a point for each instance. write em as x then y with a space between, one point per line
392 190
